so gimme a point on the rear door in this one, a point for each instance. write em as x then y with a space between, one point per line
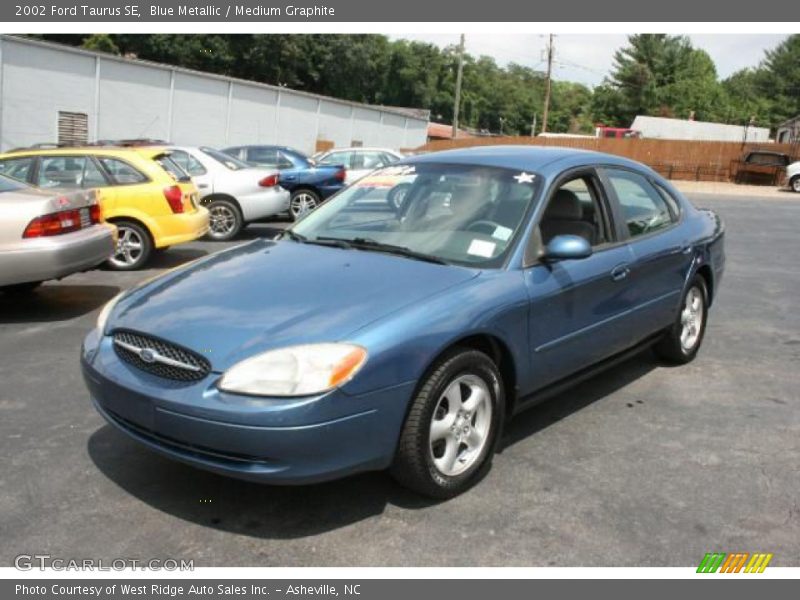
662 253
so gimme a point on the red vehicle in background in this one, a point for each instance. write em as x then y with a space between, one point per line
602 131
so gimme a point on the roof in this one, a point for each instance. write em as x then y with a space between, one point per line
416 114
541 159
147 151
441 130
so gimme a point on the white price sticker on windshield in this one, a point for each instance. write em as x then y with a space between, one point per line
502 233
481 248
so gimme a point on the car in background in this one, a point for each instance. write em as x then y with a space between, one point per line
309 184
509 274
792 179
234 192
49 234
150 199
358 161
760 166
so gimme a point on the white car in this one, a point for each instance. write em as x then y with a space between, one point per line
358 161
234 192
793 176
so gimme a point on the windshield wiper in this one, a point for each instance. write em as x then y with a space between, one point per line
361 243
288 233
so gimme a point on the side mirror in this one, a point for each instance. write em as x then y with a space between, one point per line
565 247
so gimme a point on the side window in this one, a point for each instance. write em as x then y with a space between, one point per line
388 159
643 208
188 162
338 158
69 172
672 202
267 157
17 168
367 160
122 172
575 209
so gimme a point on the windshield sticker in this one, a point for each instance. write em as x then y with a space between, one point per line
502 233
524 177
481 248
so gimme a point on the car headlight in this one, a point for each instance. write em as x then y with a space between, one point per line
296 370
103 316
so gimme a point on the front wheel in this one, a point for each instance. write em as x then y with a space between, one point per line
452 428
134 247
682 341
795 183
303 202
225 220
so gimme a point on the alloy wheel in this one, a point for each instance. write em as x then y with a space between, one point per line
461 424
129 247
302 203
222 221
692 317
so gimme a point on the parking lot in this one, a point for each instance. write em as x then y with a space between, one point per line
644 465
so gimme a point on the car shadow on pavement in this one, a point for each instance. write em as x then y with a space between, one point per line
558 407
54 302
245 508
277 512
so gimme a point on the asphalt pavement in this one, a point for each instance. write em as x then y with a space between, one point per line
644 465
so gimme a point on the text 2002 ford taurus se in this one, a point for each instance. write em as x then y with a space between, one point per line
402 337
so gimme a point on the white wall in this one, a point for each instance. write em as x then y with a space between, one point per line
134 99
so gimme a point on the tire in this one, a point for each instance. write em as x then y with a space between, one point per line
794 184
683 339
302 202
134 247
434 457
397 195
21 288
225 220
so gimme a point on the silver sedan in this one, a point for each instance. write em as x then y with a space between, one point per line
49 234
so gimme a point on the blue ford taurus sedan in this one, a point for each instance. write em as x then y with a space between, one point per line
402 335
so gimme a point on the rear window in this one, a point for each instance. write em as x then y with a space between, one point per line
9 185
171 167
17 168
234 164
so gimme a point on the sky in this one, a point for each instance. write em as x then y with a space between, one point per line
587 58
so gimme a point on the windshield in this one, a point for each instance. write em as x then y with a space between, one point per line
10 185
234 164
461 214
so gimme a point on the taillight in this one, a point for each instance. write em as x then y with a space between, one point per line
340 175
269 180
94 213
65 221
174 196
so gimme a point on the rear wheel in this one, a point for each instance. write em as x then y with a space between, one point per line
225 220
450 434
682 341
303 202
795 183
134 247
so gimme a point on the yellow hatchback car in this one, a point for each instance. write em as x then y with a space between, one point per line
142 191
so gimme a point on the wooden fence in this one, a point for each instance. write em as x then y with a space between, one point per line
675 159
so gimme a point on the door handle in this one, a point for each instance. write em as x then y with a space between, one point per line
620 272
202 186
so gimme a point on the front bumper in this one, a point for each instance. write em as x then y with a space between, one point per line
40 259
182 227
284 441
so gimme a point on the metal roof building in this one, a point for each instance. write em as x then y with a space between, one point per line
681 129
50 93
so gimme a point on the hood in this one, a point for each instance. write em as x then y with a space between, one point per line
265 295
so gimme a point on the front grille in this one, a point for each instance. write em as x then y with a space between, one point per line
193 367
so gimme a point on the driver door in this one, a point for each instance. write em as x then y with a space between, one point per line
578 307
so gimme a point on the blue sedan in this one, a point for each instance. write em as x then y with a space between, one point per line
309 184
403 337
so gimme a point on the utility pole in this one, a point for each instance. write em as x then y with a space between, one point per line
533 126
457 103
547 84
